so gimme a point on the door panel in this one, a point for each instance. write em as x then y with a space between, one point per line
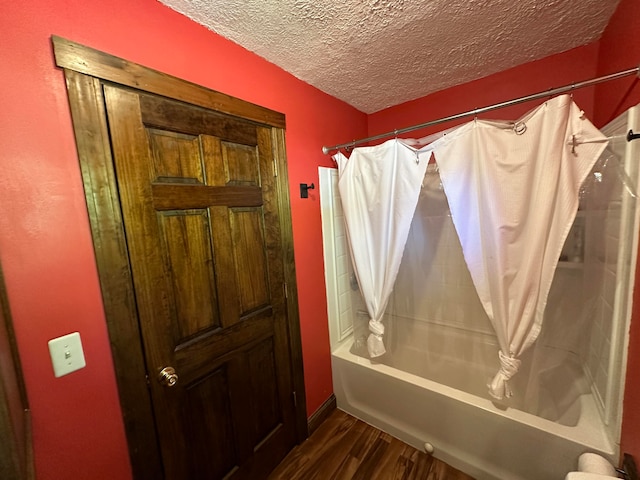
175 157
211 452
247 238
240 164
186 246
262 370
201 217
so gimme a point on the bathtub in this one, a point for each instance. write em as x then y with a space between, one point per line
466 431
465 427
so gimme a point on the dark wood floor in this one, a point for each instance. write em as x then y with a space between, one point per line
348 449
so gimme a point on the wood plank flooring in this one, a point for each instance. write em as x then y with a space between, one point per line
346 448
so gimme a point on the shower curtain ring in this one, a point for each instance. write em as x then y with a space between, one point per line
519 128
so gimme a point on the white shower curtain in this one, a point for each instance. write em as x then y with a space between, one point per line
513 193
379 188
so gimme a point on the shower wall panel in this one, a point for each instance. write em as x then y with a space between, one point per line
336 259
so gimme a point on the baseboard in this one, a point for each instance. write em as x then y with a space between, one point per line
629 467
321 414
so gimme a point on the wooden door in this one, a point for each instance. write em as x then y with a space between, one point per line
201 219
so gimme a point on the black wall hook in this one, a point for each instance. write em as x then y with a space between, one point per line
304 189
632 136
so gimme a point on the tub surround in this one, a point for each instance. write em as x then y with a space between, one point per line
466 429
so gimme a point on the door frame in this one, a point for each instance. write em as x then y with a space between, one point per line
85 70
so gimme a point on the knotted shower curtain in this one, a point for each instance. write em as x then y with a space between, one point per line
513 191
379 188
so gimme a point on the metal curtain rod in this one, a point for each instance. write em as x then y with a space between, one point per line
535 96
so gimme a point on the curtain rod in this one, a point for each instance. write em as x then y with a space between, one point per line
535 96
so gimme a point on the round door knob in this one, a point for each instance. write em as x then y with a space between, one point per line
168 376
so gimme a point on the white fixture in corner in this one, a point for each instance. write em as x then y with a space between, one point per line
592 466
66 354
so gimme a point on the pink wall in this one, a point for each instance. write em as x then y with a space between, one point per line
620 50
45 241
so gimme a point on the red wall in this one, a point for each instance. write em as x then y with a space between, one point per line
533 77
45 242
620 50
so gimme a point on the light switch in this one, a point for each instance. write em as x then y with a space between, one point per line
66 354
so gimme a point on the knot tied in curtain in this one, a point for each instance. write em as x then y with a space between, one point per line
379 188
514 194
375 345
509 366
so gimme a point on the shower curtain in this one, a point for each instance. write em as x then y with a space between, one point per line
513 192
379 187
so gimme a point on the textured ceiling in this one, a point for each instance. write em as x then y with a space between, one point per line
375 54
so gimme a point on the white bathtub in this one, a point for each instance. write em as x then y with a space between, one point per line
466 431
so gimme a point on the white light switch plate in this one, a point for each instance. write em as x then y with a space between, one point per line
66 354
